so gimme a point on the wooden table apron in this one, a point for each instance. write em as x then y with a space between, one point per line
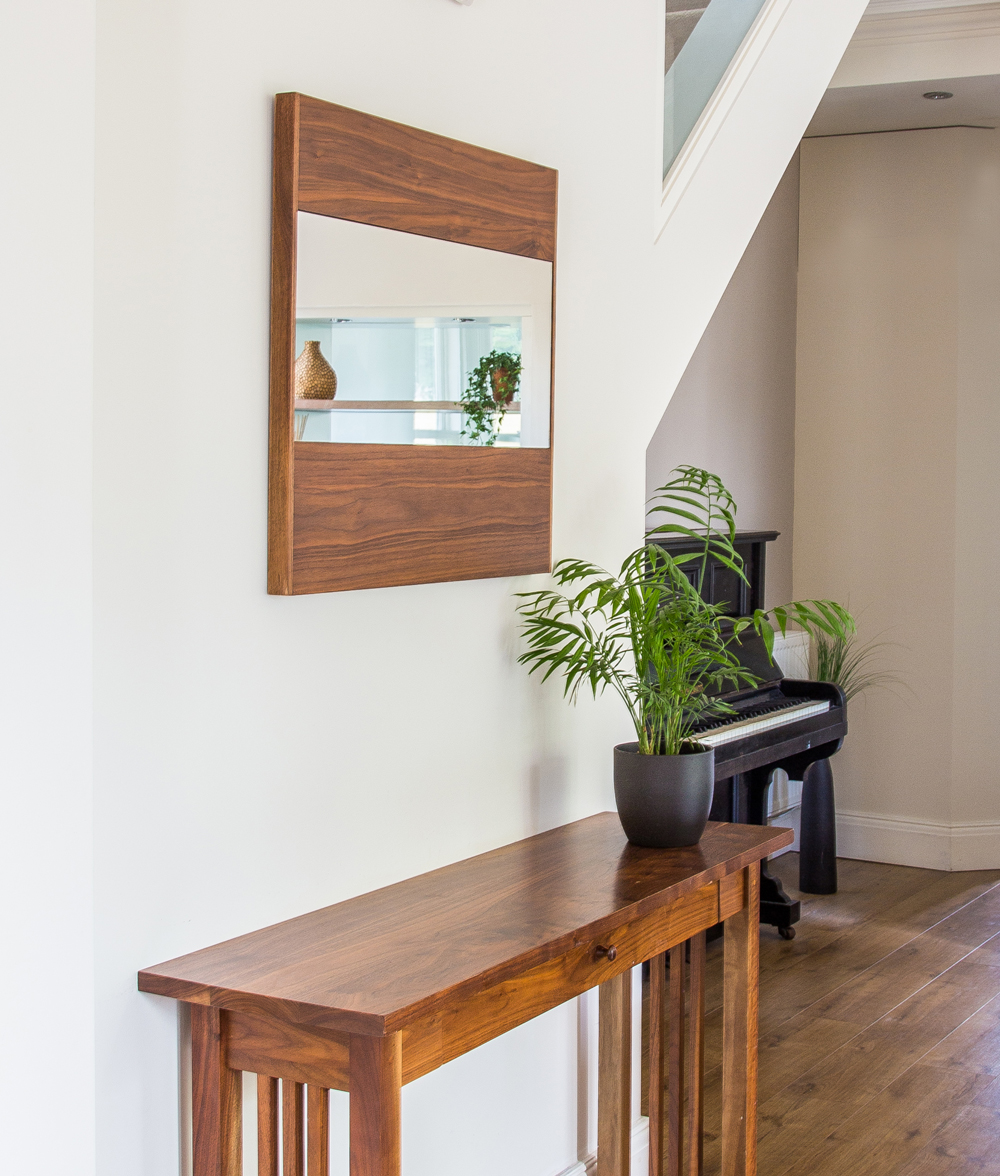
369 994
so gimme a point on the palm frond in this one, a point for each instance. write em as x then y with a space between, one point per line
699 498
647 632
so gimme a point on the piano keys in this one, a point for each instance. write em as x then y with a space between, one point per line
714 734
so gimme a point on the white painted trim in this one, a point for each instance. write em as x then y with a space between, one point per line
790 819
713 117
883 6
640 1147
640 1154
932 24
973 845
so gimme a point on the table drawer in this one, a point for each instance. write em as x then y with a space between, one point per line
448 1033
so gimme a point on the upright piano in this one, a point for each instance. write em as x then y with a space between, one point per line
780 723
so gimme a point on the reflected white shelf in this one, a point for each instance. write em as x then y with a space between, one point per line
388 406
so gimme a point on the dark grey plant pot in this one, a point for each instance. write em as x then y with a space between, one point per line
664 800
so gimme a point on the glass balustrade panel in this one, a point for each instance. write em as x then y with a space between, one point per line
702 40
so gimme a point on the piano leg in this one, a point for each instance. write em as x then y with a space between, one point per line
776 908
818 860
730 801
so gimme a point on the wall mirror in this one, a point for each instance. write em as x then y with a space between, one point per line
403 320
402 264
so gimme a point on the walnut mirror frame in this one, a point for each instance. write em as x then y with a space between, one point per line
346 516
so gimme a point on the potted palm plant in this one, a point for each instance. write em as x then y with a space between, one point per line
647 633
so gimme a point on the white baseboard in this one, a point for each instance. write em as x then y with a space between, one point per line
640 1154
640 1148
903 842
790 818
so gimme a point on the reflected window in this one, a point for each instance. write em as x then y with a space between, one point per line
401 380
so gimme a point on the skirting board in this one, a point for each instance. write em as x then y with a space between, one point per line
791 818
901 842
640 1154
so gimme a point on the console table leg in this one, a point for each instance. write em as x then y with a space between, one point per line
739 1034
376 1082
614 1077
675 1050
318 1111
268 1139
657 1061
216 1095
695 1122
293 1133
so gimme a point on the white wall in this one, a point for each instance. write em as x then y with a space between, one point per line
734 409
46 307
254 756
897 436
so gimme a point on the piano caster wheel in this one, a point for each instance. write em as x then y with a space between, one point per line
786 932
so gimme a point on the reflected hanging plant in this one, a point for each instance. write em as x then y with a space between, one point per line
493 386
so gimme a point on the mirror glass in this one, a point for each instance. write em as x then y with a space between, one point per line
408 340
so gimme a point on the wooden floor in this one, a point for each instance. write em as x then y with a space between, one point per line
879 1028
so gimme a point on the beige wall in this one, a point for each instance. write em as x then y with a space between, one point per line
734 409
897 432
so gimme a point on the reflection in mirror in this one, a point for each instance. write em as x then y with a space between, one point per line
405 321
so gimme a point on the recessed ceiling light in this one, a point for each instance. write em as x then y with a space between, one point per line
936 95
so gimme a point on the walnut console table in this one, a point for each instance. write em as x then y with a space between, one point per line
371 993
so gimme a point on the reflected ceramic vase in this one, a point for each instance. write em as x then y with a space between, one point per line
314 378
664 800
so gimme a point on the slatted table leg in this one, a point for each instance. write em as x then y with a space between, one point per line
217 1098
657 1061
292 1129
318 1134
675 1061
376 1082
695 1120
739 1034
614 1077
267 1126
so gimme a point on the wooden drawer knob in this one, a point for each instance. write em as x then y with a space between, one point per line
610 952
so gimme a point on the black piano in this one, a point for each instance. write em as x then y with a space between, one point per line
780 723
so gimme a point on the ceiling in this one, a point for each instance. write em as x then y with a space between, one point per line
850 110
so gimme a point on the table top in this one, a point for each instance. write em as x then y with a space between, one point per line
374 963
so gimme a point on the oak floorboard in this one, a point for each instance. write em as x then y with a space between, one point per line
990 1097
969 1143
894 1127
879 1028
974 1046
857 1070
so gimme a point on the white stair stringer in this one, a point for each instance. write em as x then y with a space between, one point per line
727 171
718 189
